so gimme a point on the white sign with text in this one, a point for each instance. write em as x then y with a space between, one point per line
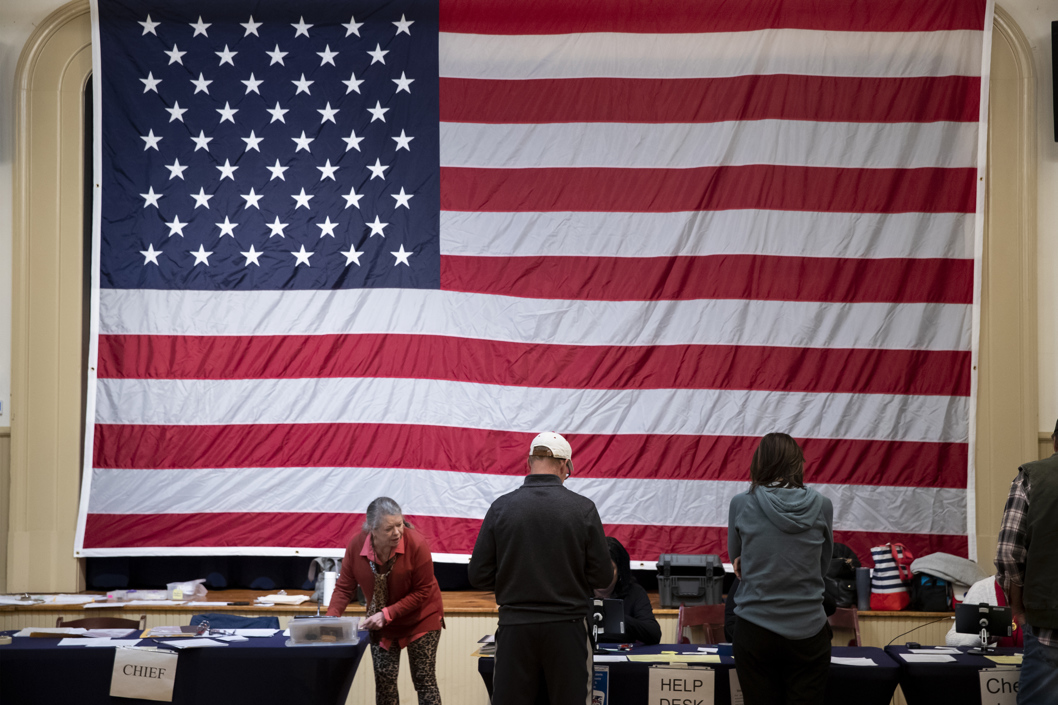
143 674
736 689
999 686
681 686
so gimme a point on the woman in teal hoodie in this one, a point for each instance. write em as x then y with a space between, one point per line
780 540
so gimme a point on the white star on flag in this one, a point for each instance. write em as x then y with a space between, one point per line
402 256
202 198
150 83
176 227
377 227
200 28
302 199
201 256
276 228
251 27
150 141
327 171
201 142
175 55
150 198
252 199
404 25
301 27
148 26
327 227
176 169
251 256
176 112
227 171
402 198
151 255
351 256
227 227
227 56
302 257
327 56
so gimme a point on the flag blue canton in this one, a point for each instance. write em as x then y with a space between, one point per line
269 145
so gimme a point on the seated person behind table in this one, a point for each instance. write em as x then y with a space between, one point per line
989 592
640 624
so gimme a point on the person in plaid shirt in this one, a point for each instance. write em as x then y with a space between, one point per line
1027 561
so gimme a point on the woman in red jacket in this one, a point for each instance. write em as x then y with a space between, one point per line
391 563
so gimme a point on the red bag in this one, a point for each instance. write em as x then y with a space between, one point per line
890 578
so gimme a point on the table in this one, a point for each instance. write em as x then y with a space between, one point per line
954 682
259 670
628 685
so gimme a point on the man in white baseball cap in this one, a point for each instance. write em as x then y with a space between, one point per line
551 445
542 550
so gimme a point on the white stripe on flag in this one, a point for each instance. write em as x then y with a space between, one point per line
674 146
620 501
885 326
443 403
699 233
769 51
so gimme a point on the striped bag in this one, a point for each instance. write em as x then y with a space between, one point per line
891 576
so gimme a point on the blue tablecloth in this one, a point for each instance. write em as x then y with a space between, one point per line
951 682
259 670
864 685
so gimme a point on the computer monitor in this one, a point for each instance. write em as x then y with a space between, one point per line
608 620
975 619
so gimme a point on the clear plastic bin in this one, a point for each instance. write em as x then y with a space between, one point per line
319 631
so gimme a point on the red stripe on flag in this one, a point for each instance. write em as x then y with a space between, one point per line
445 534
667 457
685 16
694 100
769 187
841 370
756 277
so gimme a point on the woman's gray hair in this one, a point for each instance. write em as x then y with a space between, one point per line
381 507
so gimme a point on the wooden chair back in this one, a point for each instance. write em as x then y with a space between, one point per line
847 618
705 624
105 623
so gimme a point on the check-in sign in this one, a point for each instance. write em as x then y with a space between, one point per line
999 686
681 686
143 674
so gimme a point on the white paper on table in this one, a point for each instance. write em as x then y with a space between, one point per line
96 605
852 661
17 600
70 599
709 649
51 630
935 650
286 632
193 643
206 604
229 638
607 658
101 641
111 633
113 643
149 603
283 599
927 658
256 632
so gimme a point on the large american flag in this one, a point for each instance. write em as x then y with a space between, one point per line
350 249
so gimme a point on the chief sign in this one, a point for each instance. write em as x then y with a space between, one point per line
143 674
